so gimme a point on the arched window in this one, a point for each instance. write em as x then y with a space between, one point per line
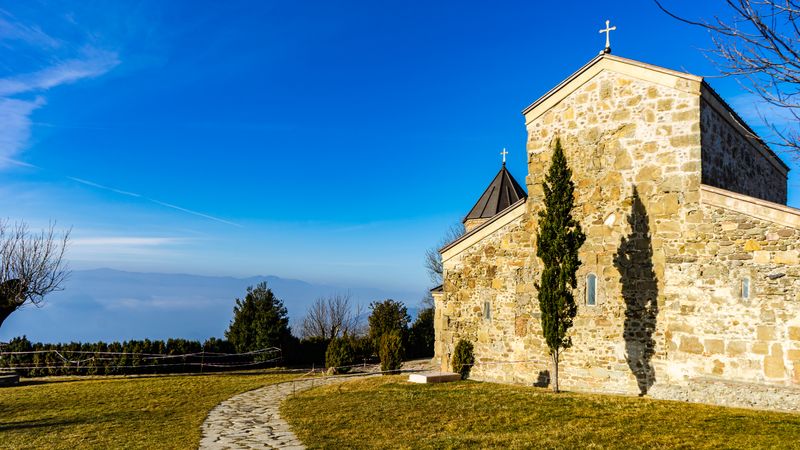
746 287
591 289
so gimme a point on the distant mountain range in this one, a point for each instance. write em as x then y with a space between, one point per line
108 305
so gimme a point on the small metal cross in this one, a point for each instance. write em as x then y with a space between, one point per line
608 31
504 153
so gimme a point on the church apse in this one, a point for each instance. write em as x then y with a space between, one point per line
634 261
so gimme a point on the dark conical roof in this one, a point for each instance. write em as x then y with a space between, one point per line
502 192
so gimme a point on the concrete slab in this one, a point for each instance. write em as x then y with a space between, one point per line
433 377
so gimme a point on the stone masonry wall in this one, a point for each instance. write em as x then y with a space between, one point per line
496 270
617 132
731 162
711 330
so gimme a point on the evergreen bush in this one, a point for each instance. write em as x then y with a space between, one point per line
390 351
421 335
463 359
338 355
386 317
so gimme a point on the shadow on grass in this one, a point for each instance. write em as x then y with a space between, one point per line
47 423
83 378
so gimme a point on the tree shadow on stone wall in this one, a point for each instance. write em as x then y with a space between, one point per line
634 261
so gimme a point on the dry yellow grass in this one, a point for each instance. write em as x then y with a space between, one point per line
388 412
114 412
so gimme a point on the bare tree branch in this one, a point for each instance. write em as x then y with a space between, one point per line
331 317
760 46
31 265
433 260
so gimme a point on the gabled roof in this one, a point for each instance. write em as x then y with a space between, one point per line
502 192
607 61
667 77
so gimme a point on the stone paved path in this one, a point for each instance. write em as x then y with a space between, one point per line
252 419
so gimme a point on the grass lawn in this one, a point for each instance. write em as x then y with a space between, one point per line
105 413
389 412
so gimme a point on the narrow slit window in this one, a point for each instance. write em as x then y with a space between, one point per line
591 289
746 287
487 311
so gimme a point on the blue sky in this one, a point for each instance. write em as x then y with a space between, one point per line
326 141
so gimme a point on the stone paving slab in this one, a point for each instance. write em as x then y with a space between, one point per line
252 420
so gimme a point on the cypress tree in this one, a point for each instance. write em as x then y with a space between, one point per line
557 242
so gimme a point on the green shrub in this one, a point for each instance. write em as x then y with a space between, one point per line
339 353
421 335
362 347
386 317
390 351
463 359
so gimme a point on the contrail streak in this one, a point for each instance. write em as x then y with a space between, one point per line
152 200
127 193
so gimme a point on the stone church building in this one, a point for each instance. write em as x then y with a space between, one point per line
689 286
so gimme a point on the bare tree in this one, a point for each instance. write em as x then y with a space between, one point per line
760 45
31 265
433 260
331 317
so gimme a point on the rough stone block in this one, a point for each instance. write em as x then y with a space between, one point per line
760 348
794 333
691 344
774 367
761 257
736 348
719 367
714 346
786 257
751 246
765 333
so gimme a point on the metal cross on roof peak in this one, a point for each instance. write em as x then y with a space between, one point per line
608 31
504 153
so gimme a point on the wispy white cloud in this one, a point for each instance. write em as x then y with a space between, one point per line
22 94
15 115
12 30
125 248
92 64
125 241
158 303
